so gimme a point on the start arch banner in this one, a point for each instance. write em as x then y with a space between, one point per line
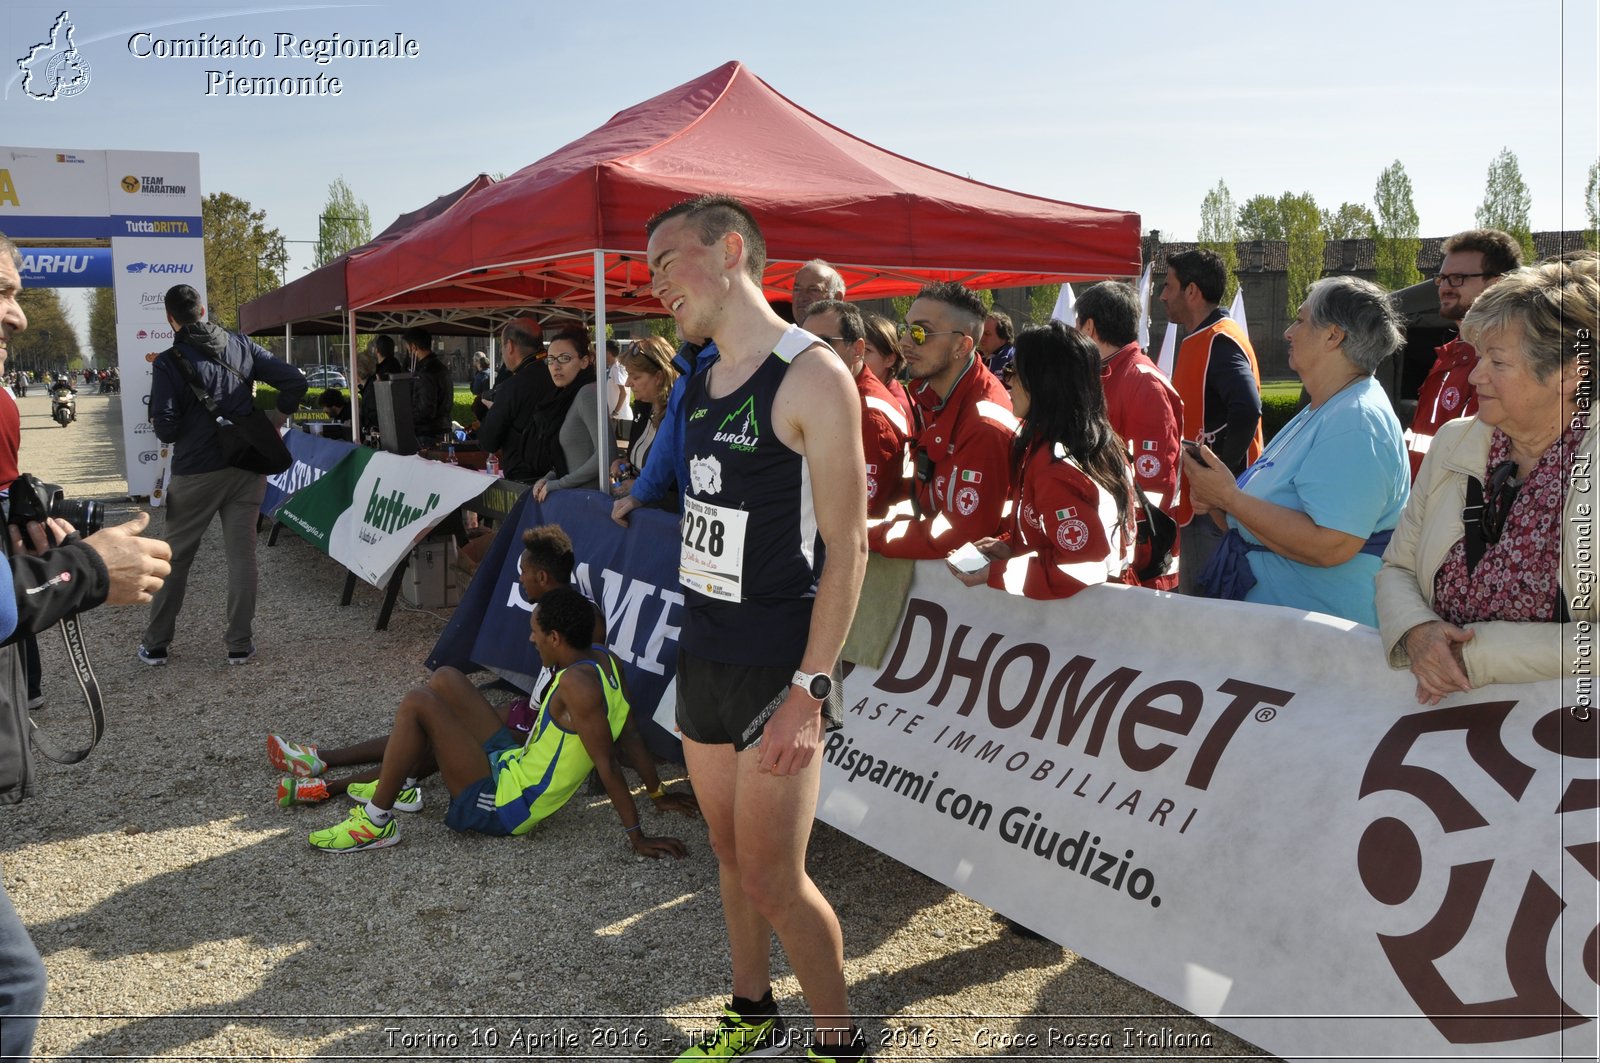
147 204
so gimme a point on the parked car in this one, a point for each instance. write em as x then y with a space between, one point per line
326 376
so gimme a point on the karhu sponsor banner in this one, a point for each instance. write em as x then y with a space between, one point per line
1243 809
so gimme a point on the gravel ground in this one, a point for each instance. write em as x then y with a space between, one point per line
181 913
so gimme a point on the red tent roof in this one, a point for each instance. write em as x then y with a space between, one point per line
889 224
316 302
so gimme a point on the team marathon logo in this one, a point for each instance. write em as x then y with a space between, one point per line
151 186
1486 751
54 69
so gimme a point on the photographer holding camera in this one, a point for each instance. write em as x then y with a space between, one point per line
40 585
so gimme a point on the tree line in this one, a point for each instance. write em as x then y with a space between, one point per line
1391 222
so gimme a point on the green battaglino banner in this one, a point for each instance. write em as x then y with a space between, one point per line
371 508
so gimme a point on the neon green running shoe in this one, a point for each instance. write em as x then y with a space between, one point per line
356 832
737 1037
408 800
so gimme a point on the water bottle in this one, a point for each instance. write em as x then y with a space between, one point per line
450 456
492 467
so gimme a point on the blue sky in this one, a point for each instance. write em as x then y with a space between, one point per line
1140 106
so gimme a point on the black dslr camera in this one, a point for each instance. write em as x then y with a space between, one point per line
33 500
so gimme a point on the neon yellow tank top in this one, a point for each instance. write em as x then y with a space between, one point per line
535 780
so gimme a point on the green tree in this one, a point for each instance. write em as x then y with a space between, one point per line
343 225
103 327
1261 219
1352 221
1591 207
1219 232
986 297
1395 231
244 256
1041 301
665 327
50 343
1302 224
1507 202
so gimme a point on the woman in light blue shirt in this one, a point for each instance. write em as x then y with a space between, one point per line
1308 522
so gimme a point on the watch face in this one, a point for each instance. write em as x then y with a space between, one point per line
821 686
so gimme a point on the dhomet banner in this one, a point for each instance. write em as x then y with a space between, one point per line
1244 810
1238 807
372 507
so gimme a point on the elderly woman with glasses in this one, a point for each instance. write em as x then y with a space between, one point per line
1496 546
1307 522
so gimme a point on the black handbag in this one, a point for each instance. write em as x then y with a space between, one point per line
250 443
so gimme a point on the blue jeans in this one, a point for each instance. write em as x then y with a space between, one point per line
21 984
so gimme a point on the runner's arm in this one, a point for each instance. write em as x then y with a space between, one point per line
580 700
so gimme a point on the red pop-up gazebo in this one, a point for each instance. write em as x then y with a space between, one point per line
571 225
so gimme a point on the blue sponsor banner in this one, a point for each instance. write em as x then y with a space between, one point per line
66 267
313 456
24 227
152 225
632 572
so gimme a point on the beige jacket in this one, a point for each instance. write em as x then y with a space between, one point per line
1500 651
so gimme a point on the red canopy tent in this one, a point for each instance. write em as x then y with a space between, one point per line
316 303
887 223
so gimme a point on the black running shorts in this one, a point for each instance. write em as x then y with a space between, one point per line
719 704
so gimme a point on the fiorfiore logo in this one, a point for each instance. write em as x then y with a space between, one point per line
1458 766
54 69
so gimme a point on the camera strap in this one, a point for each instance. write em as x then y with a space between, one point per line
72 637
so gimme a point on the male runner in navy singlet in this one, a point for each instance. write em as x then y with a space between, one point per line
773 553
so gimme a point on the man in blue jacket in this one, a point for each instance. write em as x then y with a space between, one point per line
203 485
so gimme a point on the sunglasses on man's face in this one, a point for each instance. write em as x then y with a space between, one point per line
919 335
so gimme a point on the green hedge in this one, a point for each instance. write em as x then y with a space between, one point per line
1276 409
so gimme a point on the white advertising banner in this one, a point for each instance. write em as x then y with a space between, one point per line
1243 809
372 507
145 267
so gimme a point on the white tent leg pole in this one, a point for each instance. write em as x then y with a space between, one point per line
603 420
355 396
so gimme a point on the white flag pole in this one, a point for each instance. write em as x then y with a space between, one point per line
1144 309
1169 350
1063 311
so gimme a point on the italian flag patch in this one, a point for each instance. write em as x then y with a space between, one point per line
971 476
1066 514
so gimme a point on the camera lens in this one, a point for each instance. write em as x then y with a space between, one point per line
86 515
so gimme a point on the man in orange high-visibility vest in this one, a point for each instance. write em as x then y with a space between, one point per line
1220 383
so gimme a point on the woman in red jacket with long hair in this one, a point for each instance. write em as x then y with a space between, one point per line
1072 507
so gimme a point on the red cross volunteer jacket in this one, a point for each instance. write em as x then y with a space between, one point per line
961 469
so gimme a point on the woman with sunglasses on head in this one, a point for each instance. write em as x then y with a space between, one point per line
1497 542
569 415
1071 523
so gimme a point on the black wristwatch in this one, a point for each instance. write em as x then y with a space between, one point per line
819 686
